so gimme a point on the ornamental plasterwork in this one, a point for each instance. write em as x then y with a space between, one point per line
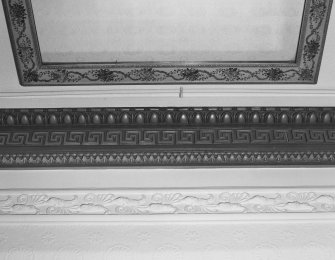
151 202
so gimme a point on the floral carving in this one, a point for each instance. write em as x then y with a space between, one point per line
306 74
106 75
311 49
191 74
147 74
274 74
181 202
30 76
231 74
318 10
59 75
18 13
26 52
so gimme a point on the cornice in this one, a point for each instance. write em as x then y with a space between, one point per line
195 136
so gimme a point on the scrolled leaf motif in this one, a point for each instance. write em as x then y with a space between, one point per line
306 74
312 48
54 210
274 74
6 201
21 209
191 74
225 208
147 74
26 54
230 74
58 75
124 210
106 75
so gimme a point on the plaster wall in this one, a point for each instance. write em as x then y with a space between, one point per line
256 236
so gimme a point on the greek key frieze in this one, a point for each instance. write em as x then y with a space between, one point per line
127 137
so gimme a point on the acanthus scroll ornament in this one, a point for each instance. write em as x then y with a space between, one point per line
153 202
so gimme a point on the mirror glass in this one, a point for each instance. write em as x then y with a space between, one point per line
116 31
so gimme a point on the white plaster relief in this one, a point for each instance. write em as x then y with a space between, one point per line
151 202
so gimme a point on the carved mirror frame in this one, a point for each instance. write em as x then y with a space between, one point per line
33 71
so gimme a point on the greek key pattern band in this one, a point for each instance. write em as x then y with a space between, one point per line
170 137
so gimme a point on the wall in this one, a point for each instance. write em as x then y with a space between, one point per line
276 235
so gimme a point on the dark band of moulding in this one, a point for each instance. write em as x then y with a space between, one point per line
117 137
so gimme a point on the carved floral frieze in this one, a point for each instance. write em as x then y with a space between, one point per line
150 202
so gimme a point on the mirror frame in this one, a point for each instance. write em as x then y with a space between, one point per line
33 72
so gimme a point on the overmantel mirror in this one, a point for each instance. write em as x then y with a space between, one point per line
82 42
103 42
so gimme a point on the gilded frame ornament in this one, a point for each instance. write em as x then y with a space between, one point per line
33 72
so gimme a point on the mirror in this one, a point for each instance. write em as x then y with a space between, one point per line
113 31
114 42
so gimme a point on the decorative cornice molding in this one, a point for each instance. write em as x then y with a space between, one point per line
151 202
166 137
150 159
166 116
